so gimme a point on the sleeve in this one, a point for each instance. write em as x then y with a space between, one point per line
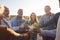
14 24
41 21
24 22
53 20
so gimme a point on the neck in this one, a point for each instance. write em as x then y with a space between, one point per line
19 17
48 14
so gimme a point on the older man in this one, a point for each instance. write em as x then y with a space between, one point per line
52 21
45 18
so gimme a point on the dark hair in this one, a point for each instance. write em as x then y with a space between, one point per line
6 8
20 10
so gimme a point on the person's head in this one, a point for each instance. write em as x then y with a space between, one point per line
1 11
33 17
47 9
6 12
20 12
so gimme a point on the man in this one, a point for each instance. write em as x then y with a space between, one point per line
45 18
50 32
18 23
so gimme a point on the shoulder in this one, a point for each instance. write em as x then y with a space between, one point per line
29 23
57 13
43 16
14 18
52 14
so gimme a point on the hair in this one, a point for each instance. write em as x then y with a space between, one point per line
1 15
35 20
6 8
1 9
20 10
48 6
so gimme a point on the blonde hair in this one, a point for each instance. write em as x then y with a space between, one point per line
36 20
1 9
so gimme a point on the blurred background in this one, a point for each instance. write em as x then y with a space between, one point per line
30 6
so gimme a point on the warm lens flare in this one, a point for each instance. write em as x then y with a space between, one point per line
1 9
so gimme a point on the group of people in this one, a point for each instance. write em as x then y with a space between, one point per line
15 29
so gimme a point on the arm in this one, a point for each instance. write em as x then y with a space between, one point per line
14 25
6 31
53 20
41 22
13 32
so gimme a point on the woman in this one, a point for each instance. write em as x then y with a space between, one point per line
32 23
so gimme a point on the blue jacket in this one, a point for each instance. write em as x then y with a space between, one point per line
15 22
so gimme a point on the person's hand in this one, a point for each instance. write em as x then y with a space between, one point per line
22 26
17 34
2 26
25 35
39 28
31 28
40 34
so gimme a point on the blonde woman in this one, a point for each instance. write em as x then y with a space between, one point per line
32 23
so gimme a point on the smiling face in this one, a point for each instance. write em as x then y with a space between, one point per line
20 12
33 16
6 12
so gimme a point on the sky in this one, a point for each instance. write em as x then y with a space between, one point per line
30 6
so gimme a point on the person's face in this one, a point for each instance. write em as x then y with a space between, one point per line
33 16
20 12
6 12
47 9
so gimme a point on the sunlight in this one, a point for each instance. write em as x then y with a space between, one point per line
30 6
